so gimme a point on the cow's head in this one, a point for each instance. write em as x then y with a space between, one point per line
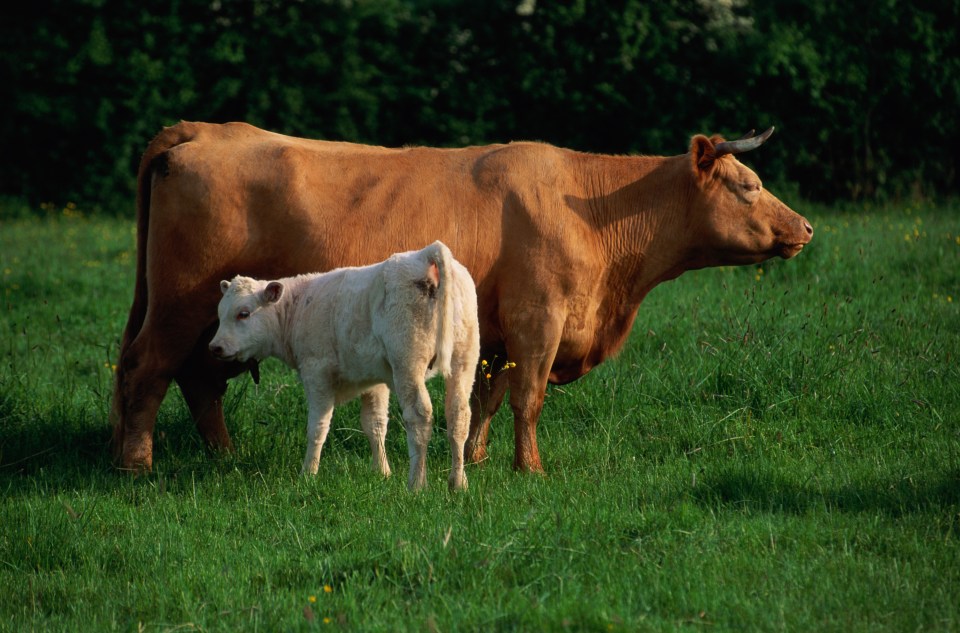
248 323
736 220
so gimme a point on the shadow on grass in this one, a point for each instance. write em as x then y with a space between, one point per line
771 492
71 449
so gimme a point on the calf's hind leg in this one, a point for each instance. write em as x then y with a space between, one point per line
374 405
457 409
418 420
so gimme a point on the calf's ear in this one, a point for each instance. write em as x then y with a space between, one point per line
224 286
273 292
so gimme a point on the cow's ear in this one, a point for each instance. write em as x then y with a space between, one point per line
273 292
704 155
224 286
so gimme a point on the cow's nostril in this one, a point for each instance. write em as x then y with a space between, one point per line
216 350
809 228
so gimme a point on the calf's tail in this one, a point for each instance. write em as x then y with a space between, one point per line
439 255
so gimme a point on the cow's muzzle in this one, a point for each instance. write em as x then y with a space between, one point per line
804 235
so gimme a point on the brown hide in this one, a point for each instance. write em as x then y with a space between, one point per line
563 246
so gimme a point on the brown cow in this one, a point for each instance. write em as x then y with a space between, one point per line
563 247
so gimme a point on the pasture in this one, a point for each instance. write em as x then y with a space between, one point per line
776 448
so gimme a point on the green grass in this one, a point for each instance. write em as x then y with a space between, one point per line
775 450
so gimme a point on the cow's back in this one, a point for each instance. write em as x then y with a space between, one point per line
234 199
280 201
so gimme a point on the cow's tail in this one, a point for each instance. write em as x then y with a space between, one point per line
447 316
150 161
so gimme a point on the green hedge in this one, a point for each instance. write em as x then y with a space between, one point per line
864 94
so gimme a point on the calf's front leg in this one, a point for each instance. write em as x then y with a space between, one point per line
320 403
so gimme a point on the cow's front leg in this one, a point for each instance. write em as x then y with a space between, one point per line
526 400
533 353
487 397
418 420
374 404
320 401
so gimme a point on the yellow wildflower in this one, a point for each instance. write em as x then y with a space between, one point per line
327 589
312 598
483 363
327 620
487 376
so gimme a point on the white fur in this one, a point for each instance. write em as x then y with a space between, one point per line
358 331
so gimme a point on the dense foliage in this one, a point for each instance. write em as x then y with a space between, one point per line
864 94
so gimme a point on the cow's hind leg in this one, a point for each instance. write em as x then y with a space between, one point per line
374 404
139 400
203 382
142 381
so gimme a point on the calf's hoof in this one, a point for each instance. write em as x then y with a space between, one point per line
457 483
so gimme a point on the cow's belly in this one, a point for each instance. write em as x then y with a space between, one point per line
574 359
562 373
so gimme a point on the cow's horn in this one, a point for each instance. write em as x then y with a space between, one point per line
744 144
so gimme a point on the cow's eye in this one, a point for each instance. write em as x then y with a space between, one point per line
751 192
243 314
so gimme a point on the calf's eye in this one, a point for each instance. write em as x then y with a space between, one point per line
243 314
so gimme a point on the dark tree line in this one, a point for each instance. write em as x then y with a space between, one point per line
865 94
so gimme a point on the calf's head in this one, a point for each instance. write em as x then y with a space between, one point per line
248 320
734 219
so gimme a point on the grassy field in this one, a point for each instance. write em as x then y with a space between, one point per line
777 448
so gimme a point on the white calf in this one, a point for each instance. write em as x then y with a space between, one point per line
359 330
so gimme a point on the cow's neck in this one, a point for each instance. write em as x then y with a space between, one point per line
639 209
638 206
